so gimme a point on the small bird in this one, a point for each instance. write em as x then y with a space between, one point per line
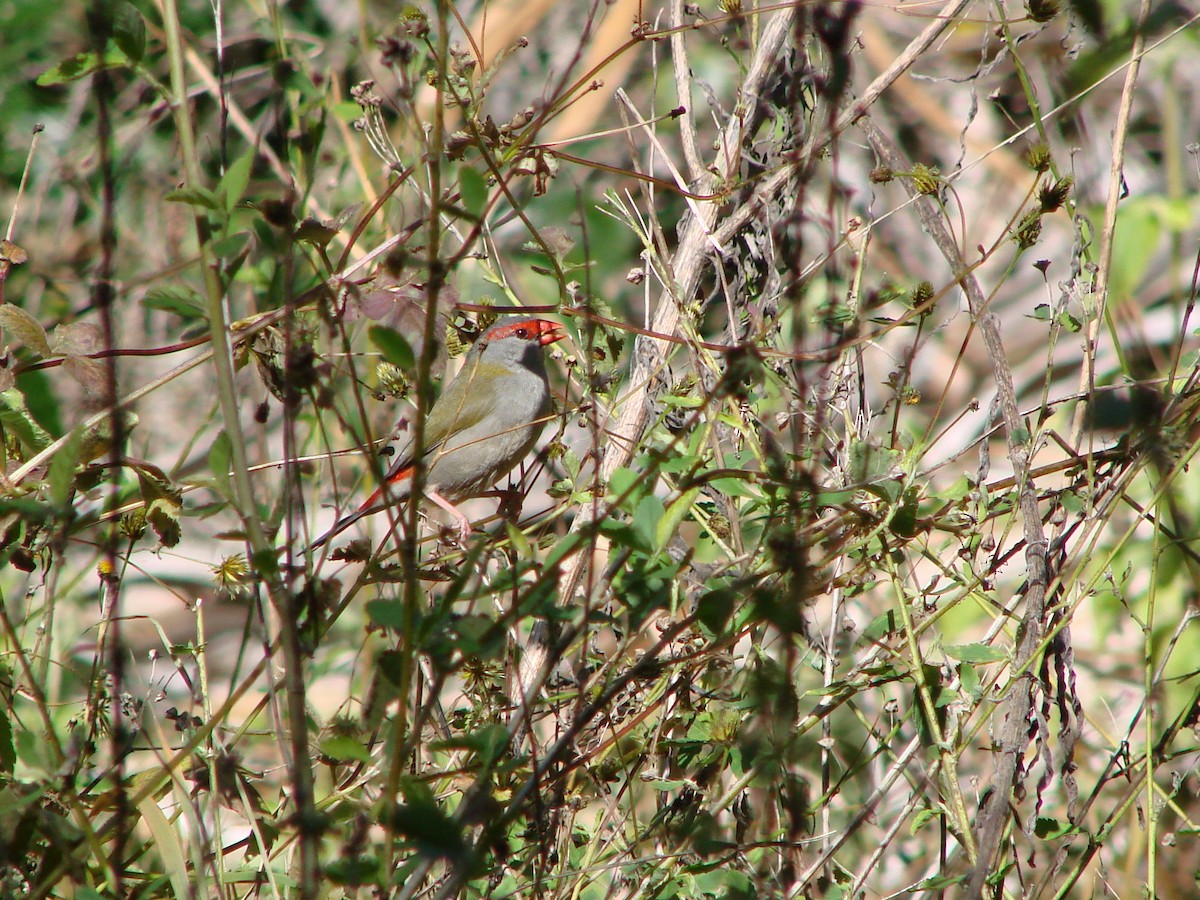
486 421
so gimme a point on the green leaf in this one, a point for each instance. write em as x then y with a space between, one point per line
474 191
386 614
520 542
1068 322
883 625
940 882
904 519
164 504
23 327
976 653
970 680
1139 230
477 636
219 456
29 510
888 490
571 462
646 520
163 516
34 752
345 748
265 564
564 548
167 846
941 697
237 177
623 535
179 299
61 475
316 232
354 871
743 488
725 882
684 402
669 524
81 65
8 753
714 608
425 823
16 418
489 742
623 482
1072 502
196 196
97 440
129 31
393 345
868 462
1048 828
961 488
232 246
934 815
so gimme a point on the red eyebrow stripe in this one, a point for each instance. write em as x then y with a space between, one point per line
539 328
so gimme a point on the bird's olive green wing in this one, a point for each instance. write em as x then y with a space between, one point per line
465 402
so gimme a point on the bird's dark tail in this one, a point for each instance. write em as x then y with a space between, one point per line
338 527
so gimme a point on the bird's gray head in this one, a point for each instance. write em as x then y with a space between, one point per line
517 340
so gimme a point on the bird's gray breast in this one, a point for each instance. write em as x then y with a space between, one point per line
475 458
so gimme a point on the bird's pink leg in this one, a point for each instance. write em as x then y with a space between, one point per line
464 524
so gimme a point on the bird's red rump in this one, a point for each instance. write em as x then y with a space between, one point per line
403 475
393 479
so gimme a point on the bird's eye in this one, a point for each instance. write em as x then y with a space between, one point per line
522 332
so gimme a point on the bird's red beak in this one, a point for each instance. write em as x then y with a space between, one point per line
549 332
